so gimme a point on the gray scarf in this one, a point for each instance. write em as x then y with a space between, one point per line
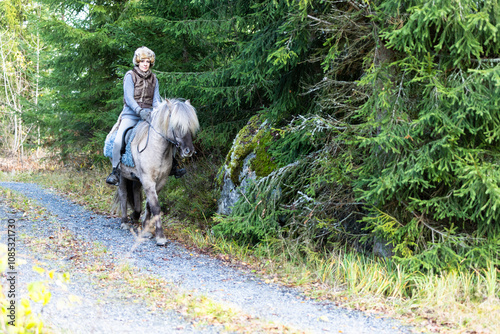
142 74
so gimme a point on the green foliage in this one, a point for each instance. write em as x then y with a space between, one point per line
301 137
84 97
219 54
254 217
412 133
419 246
458 31
307 201
404 94
192 197
431 134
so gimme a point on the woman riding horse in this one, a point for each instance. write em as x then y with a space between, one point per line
140 95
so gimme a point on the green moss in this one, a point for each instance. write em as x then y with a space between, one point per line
263 164
254 137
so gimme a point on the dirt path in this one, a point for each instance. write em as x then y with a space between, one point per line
112 304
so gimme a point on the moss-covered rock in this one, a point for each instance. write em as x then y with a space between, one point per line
255 138
247 160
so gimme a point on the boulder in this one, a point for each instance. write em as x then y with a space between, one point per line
231 193
246 161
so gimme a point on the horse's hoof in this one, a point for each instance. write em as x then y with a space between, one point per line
125 226
161 241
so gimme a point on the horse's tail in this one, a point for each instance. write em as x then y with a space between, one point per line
115 206
131 186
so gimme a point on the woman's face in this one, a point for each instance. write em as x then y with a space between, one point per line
144 65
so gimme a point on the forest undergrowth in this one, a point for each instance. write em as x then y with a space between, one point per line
445 302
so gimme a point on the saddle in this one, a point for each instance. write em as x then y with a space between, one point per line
126 150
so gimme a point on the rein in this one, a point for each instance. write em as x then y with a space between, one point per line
171 141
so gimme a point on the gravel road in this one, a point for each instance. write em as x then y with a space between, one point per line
104 311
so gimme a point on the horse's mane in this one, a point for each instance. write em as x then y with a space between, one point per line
182 119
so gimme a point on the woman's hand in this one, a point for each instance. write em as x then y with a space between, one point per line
144 114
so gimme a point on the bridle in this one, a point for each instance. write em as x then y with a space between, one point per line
171 141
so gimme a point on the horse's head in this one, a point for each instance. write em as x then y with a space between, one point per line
185 145
183 125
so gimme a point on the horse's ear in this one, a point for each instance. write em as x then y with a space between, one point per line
169 103
188 102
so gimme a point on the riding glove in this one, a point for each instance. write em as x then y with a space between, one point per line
144 114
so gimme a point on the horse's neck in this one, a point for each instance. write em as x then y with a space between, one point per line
158 124
160 142
157 155
155 139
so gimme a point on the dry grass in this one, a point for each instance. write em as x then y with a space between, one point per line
87 188
17 163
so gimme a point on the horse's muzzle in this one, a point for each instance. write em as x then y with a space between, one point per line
186 152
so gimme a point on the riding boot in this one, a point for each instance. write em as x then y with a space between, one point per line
177 172
114 177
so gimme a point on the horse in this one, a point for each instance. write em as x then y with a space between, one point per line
169 130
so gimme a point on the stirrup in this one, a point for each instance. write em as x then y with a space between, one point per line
178 173
114 177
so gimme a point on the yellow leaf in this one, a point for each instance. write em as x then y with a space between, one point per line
324 318
46 298
25 303
30 325
38 269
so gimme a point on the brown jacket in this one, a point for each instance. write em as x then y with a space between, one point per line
144 88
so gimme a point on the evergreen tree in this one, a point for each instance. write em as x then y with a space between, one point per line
226 56
398 104
431 134
409 105
223 55
86 53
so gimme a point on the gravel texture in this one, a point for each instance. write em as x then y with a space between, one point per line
103 312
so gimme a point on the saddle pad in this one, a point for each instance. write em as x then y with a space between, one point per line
127 158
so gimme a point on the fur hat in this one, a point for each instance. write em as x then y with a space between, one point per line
143 53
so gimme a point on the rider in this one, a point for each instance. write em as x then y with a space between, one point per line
141 94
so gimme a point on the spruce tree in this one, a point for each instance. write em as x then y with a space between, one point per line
223 55
409 113
227 57
431 135
86 53
386 110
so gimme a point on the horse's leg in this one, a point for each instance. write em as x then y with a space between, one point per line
137 188
122 193
145 220
154 224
